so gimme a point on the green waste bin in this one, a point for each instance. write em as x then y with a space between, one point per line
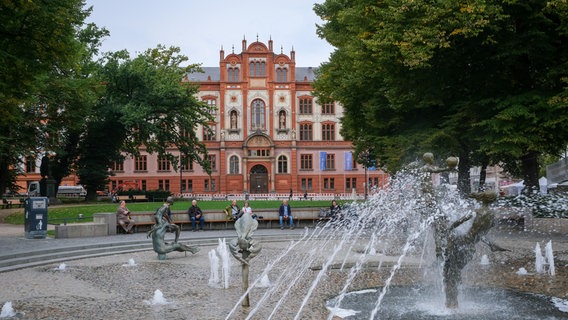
36 217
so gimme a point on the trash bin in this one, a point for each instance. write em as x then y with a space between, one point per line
36 217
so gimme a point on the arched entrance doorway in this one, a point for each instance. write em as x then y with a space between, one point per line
258 179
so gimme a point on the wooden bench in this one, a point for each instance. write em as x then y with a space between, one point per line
216 220
144 221
132 198
11 203
213 220
140 198
121 198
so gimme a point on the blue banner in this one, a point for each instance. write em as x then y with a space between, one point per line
373 167
348 161
323 157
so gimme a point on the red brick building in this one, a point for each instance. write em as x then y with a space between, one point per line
270 135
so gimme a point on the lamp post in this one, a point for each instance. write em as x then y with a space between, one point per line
364 159
180 175
365 184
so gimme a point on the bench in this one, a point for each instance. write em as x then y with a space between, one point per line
11 203
217 220
142 220
132 198
140 198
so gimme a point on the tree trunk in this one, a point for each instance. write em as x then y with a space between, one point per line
4 174
483 174
529 164
464 184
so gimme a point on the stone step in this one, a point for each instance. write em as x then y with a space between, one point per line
16 261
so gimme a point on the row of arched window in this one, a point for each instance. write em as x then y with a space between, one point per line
257 69
234 164
258 117
306 128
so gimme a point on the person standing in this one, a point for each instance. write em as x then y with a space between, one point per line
195 214
123 217
285 213
232 211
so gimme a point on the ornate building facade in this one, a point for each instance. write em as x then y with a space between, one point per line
270 135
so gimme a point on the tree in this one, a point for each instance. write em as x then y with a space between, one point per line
144 104
69 101
36 38
437 76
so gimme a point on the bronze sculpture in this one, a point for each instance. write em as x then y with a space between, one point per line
455 249
162 225
244 248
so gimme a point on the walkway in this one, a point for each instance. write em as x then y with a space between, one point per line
17 252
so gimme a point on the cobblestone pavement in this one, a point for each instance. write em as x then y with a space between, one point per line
111 288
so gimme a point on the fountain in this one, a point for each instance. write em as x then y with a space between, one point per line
388 240
386 260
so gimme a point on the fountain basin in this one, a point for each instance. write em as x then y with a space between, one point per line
427 303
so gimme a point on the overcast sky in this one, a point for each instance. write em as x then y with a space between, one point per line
201 27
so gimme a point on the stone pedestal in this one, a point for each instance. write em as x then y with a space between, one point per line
108 218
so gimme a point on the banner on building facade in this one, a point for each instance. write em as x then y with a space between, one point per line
323 158
348 161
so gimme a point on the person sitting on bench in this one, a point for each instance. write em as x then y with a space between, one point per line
123 217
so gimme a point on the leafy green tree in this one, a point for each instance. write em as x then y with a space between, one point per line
441 76
144 105
69 101
37 38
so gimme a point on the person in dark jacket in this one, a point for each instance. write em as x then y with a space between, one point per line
195 214
285 213
335 211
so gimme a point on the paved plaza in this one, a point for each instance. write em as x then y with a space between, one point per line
109 287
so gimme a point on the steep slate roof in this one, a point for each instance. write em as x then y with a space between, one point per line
215 74
307 72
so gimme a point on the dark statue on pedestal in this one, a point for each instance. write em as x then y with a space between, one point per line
453 248
162 225
47 184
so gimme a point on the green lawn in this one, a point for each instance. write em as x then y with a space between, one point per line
59 212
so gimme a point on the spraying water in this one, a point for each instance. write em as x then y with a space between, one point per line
219 258
131 263
484 260
214 269
408 228
7 310
550 258
225 262
539 259
157 299
264 282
